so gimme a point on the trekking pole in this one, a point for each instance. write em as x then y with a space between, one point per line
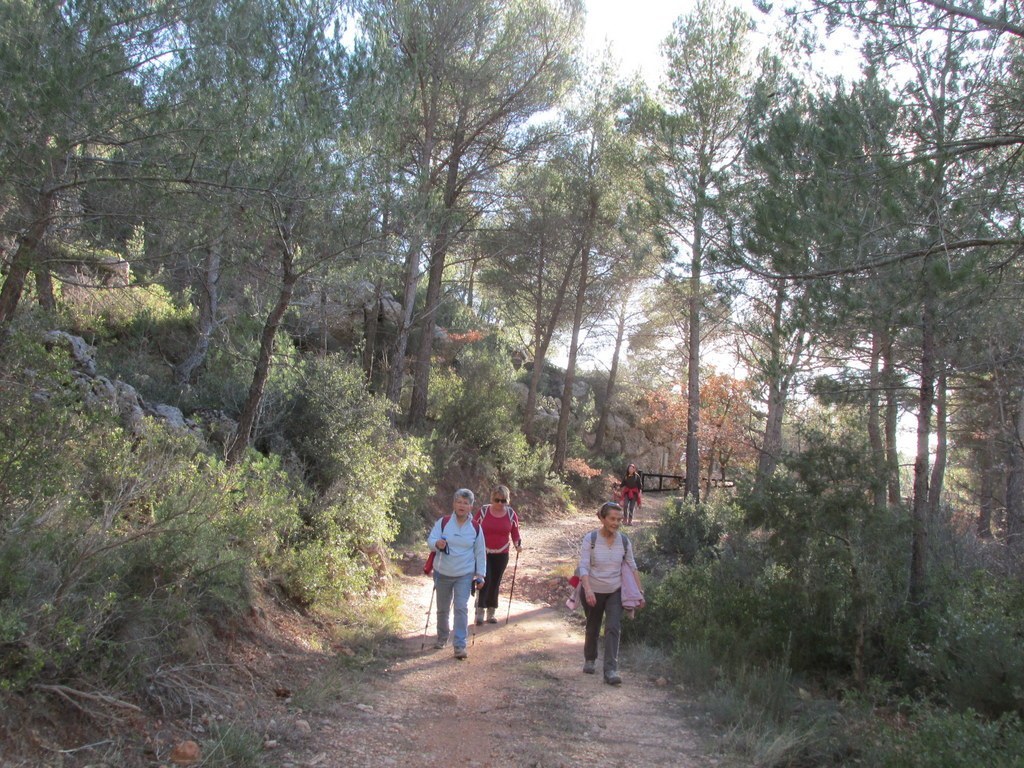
513 587
430 606
472 624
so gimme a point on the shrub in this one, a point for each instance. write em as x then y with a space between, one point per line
364 473
973 654
476 428
840 560
688 531
115 552
934 738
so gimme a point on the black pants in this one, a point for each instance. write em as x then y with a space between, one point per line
608 607
487 597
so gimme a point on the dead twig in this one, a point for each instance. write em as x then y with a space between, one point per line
73 696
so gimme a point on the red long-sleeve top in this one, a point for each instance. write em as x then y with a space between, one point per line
499 530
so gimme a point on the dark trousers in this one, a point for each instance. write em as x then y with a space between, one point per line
487 597
629 508
608 607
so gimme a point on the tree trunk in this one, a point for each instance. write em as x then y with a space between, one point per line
771 445
209 301
609 392
44 280
691 489
23 261
919 513
438 256
874 422
254 400
779 380
892 456
939 468
371 324
396 374
542 335
987 487
562 438
1015 480
424 358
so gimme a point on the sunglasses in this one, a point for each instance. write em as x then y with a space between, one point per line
499 501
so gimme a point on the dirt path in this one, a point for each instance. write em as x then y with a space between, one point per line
520 699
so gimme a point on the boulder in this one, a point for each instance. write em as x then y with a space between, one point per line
83 355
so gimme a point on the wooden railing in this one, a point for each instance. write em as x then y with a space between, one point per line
653 482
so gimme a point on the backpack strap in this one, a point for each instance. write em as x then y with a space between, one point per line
473 520
626 544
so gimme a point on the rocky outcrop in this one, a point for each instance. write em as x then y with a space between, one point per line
83 356
335 321
123 399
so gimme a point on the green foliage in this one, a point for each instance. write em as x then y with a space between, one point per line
728 605
477 426
355 458
796 575
689 531
936 738
972 655
114 552
364 472
126 313
839 558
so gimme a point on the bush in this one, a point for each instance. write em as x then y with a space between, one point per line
115 551
477 431
840 561
934 738
688 531
973 654
129 312
366 476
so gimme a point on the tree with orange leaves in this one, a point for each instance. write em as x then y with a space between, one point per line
726 420
724 437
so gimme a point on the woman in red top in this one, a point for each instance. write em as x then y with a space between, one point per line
632 493
500 526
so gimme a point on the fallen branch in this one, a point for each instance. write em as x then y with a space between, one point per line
72 695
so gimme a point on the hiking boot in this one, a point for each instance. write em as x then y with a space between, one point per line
490 616
441 642
612 678
460 653
479 616
588 667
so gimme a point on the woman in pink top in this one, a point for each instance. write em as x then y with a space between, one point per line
603 555
500 526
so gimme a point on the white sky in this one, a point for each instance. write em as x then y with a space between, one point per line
634 29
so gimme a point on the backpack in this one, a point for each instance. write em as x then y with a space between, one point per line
479 516
626 544
428 567
574 582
